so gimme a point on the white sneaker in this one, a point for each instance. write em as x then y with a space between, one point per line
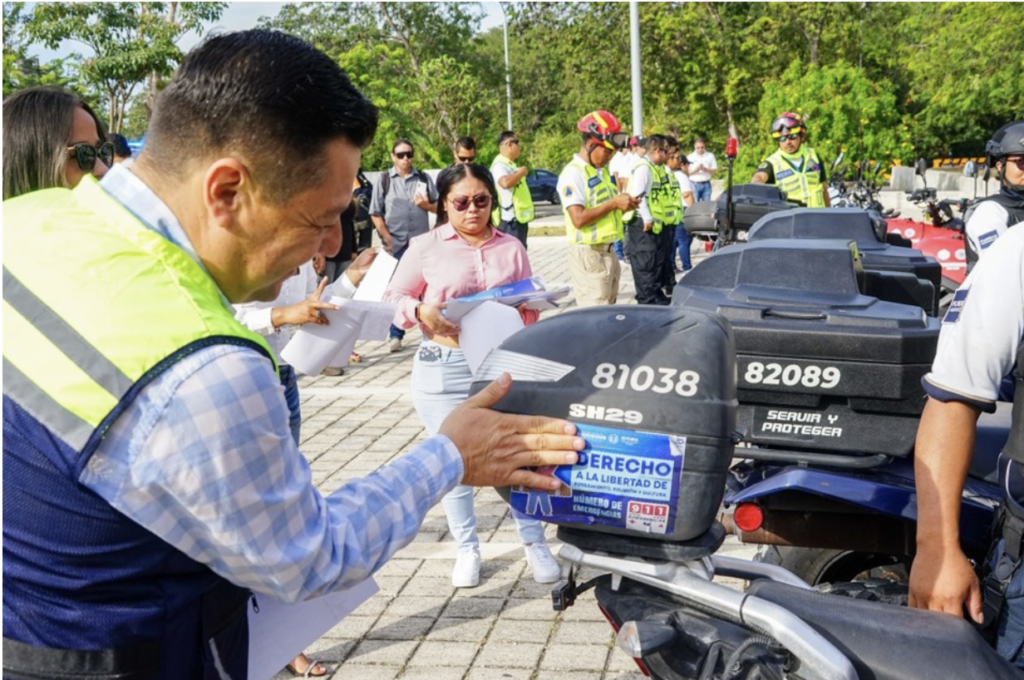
395 345
466 573
542 563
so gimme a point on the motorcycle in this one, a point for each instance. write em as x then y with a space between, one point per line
654 394
940 235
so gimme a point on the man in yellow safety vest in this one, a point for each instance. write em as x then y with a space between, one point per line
794 168
593 210
514 211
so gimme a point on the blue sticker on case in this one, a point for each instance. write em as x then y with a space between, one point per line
624 479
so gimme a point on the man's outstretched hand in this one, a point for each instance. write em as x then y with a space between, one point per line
495 446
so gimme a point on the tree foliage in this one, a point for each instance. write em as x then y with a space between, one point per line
885 80
130 42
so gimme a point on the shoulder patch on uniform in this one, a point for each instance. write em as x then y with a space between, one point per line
568 191
594 181
956 306
985 240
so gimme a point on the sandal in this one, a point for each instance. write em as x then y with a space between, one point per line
314 665
355 358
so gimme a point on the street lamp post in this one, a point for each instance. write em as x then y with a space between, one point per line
634 54
508 71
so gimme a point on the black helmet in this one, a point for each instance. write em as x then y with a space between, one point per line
1007 141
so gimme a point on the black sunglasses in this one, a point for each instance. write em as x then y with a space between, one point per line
466 160
403 154
481 201
86 154
1018 161
783 138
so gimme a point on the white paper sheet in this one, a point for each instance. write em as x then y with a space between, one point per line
280 631
371 288
485 328
313 347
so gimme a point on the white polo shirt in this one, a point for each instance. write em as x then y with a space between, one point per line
707 159
983 328
987 222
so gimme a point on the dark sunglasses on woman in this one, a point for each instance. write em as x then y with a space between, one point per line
86 154
481 201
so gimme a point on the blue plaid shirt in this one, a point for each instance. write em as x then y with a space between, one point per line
205 460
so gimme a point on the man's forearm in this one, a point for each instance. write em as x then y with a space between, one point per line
942 456
378 223
584 217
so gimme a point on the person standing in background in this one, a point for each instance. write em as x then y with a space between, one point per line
515 205
702 166
402 198
683 239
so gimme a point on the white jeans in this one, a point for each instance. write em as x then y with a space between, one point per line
440 382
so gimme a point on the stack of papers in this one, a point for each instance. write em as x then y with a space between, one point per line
364 317
532 291
489 318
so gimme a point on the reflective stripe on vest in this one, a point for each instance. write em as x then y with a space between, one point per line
673 199
800 184
522 201
600 189
78 347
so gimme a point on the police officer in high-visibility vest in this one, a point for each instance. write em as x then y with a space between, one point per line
593 210
151 483
649 184
794 168
515 205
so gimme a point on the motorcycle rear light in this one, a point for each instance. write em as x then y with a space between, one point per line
615 627
748 517
642 638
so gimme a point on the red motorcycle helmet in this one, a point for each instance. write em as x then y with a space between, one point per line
605 128
787 123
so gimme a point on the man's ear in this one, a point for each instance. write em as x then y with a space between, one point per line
227 190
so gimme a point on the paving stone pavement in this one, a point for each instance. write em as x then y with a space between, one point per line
418 625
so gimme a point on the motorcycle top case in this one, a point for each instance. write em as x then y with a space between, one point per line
867 229
820 365
750 202
652 391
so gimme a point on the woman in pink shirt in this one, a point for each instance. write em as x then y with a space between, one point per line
464 254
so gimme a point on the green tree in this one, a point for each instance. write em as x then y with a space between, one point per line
21 70
130 41
966 75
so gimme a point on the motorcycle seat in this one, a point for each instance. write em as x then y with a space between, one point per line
886 642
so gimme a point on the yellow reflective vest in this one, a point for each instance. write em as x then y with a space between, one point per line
599 189
658 196
522 201
799 176
126 304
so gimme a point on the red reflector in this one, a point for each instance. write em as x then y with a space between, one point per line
748 517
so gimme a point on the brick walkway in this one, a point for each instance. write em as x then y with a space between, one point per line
418 625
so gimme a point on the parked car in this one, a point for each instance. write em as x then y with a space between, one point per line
543 186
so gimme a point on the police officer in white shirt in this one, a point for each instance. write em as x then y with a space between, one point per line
982 338
702 166
989 218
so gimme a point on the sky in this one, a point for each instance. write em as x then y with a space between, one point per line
238 16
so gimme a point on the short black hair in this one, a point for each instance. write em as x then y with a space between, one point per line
505 136
120 142
655 143
37 127
455 173
467 143
671 141
399 142
268 97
